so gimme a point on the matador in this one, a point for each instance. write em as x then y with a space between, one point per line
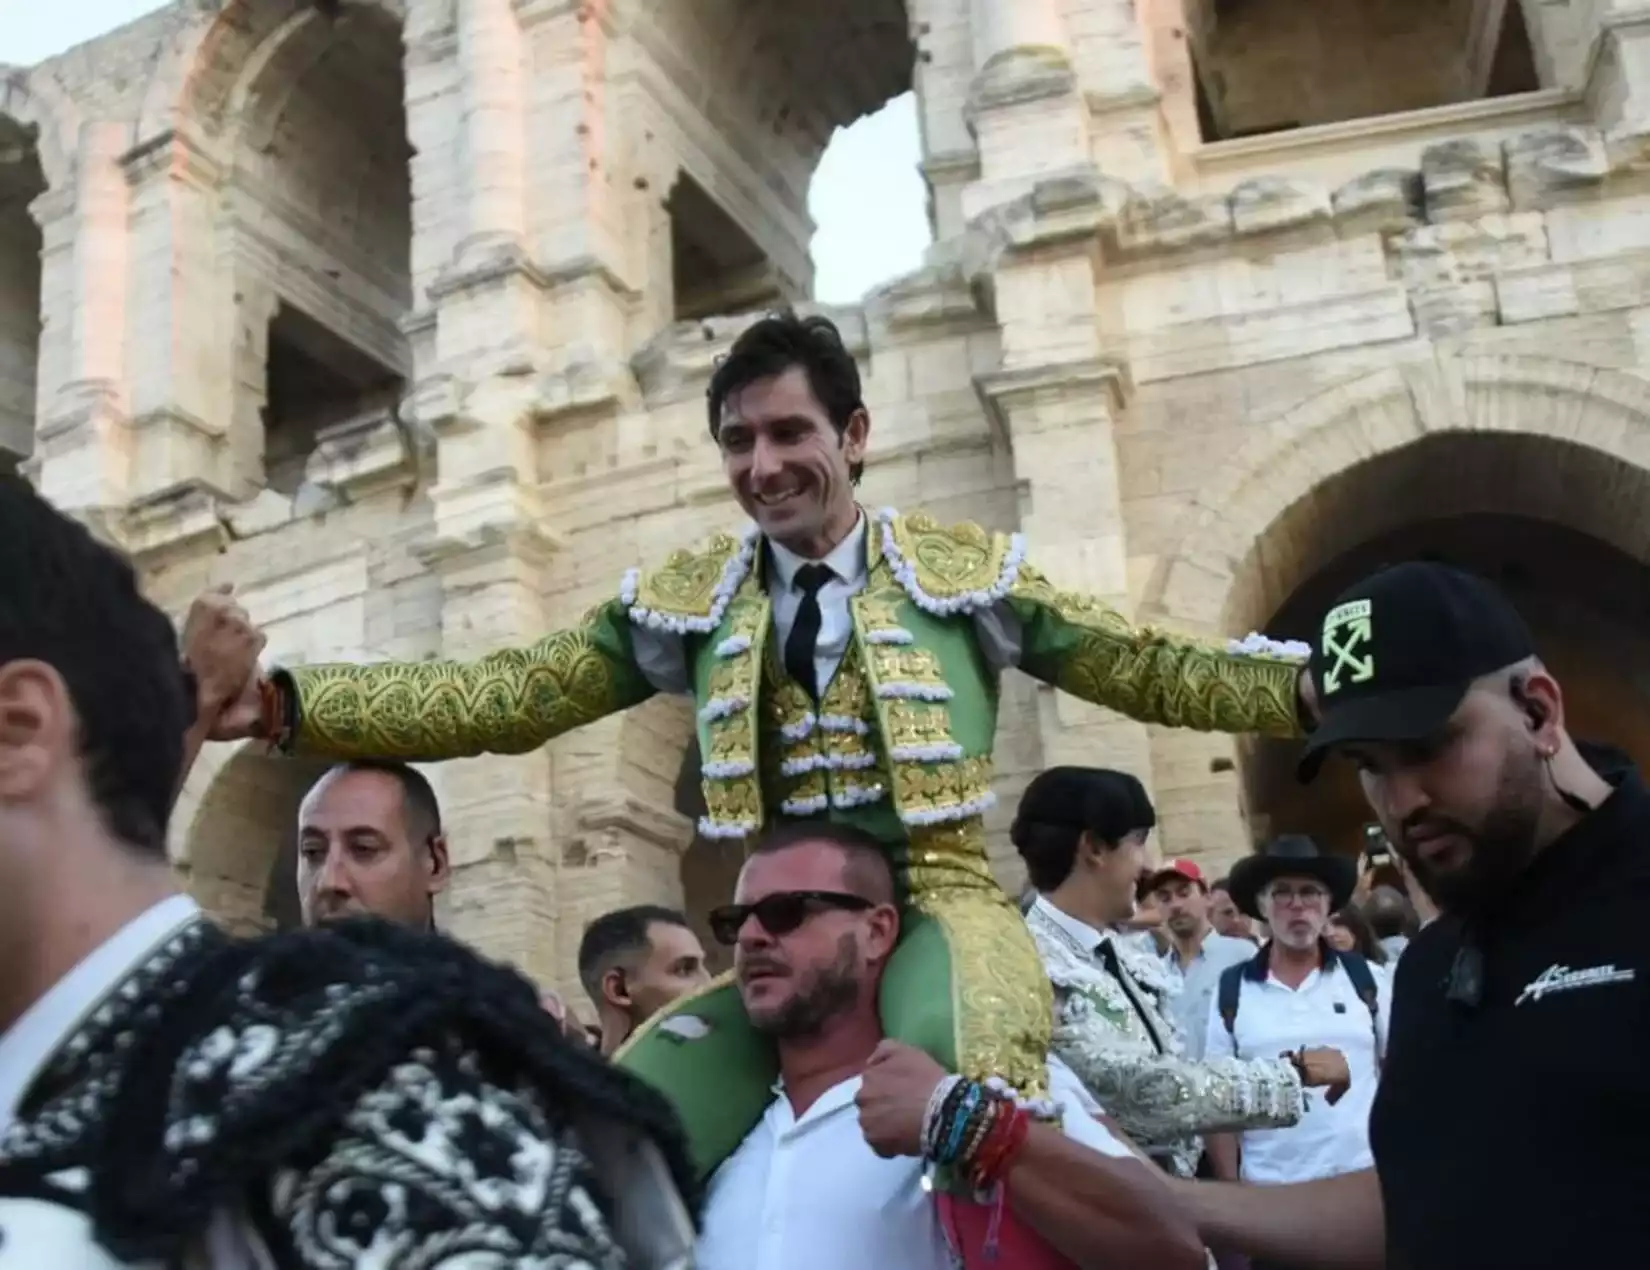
845 663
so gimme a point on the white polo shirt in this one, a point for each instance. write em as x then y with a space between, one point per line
1273 1019
810 1194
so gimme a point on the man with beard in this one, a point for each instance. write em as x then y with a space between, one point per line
169 1096
1296 993
813 1187
1510 1124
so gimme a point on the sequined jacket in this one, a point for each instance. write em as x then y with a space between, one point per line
1116 1032
903 738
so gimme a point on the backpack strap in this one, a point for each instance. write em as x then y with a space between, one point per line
1363 983
1231 992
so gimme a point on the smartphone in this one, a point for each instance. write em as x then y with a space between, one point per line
1377 850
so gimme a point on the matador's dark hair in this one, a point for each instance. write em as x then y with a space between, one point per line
773 345
1062 804
374 993
71 602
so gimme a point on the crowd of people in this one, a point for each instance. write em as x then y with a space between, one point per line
1424 1062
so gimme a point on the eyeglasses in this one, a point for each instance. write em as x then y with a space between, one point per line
781 913
1302 895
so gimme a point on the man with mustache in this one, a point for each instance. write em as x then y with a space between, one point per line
1513 1110
816 1187
845 665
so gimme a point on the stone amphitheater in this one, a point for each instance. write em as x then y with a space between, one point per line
1229 299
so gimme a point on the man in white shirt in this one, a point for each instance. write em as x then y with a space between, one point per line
1295 993
834 1173
169 1096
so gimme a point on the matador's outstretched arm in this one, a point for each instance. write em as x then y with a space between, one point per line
509 702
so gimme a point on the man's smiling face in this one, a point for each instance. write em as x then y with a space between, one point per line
788 465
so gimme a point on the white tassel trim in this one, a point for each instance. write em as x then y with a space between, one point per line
722 708
932 752
804 806
905 574
957 811
1036 1108
890 635
802 729
857 796
733 573
844 723
806 763
900 691
734 645
1254 644
726 828
728 769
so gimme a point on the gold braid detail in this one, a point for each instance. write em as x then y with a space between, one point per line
1088 649
509 702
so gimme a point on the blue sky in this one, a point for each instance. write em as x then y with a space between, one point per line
867 197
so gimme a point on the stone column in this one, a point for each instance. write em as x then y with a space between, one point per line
490 63
1024 106
1620 78
83 453
182 328
1056 398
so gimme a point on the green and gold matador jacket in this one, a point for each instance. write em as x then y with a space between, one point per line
900 744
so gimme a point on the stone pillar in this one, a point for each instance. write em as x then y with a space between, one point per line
1056 399
1026 111
1620 79
182 328
490 64
83 452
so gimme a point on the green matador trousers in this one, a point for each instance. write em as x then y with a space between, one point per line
965 985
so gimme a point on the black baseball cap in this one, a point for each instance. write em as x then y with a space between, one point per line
1396 653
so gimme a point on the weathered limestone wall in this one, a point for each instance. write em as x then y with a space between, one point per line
1198 376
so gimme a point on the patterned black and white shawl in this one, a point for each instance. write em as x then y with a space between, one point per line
364 1094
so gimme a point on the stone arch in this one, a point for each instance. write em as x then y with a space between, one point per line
1468 458
234 835
197 75
1245 533
48 115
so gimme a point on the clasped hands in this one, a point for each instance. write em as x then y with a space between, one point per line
221 647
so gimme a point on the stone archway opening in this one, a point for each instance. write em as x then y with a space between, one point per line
242 858
22 180
1554 523
317 130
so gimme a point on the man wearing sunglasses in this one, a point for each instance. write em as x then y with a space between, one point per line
845 665
833 1175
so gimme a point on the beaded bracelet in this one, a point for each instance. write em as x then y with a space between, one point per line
974 1128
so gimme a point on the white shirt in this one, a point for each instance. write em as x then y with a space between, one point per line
58 1236
810 1194
1325 1010
661 655
1198 981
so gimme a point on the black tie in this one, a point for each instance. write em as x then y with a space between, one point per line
799 648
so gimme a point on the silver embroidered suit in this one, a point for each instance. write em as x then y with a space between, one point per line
1116 1032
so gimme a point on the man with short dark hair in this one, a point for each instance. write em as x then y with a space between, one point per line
844 663
1513 1110
370 841
635 961
815 923
1197 951
171 1096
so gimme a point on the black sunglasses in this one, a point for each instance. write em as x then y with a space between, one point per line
781 913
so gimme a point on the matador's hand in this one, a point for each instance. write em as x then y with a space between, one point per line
221 648
1324 1069
893 1098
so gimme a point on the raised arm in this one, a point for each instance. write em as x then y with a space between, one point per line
1082 646
509 702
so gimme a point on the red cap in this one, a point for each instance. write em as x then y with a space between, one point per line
1178 868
